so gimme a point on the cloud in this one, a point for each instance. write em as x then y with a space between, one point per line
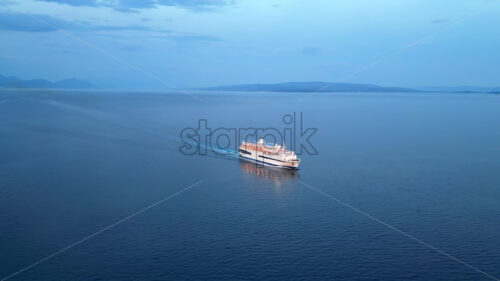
126 10
21 22
133 6
43 23
140 4
76 3
196 4
312 50
187 37
7 3
114 27
27 23
439 21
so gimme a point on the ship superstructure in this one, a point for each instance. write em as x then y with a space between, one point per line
274 155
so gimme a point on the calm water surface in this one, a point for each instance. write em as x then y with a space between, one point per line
72 163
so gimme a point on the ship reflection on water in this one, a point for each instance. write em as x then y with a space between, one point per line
277 175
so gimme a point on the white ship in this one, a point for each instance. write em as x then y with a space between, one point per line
274 155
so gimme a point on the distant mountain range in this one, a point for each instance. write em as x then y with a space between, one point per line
461 89
342 87
310 87
71 83
315 86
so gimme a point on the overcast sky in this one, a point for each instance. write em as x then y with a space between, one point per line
191 43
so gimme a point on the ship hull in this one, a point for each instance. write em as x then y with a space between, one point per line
262 158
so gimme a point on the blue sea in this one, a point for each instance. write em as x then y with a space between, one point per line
405 186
